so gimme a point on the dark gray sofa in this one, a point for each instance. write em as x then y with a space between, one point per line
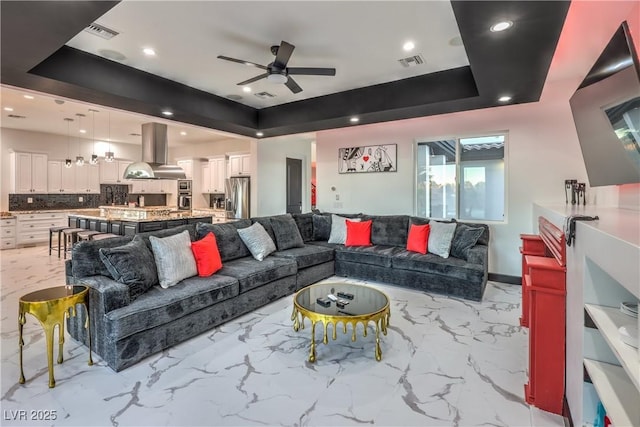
126 330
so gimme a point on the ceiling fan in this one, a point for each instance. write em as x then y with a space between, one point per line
278 72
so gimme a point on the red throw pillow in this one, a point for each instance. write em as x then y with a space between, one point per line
207 256
358 233
418 238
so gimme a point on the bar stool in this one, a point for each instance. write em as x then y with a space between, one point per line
57 230
103 236
87 234
70 238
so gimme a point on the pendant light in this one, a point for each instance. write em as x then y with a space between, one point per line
108 156
79 158
67 161
94 156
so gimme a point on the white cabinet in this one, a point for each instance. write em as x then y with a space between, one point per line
187 166
7 233
240 164
112 172
28 173
147 186
34 228
168 186
60 179
87 179
213 176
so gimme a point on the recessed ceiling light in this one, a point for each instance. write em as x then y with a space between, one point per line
183 133
259 134
167 113
246 89
504 98
28 96
8 109
148 51
501 26
409 45
82 131
354 119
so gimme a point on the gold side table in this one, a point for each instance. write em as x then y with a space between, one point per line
51 307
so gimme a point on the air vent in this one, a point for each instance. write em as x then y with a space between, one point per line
101 31
15 116
264 95
411 61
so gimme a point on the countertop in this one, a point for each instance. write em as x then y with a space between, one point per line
95 213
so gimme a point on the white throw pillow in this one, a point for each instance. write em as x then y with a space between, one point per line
440 237
339 228
258 241
174 258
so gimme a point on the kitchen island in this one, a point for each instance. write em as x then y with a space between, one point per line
124 220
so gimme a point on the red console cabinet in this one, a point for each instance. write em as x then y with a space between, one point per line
532 244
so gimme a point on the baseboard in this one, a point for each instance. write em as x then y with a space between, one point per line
505 278
566 413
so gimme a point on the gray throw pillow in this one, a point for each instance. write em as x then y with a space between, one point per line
464 239
440 237
174 258
131 264
321 227
257 240
339 228
286 232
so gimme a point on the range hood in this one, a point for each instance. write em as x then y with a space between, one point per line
154 156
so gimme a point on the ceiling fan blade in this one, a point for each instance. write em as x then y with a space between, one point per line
240 61
284 53
293 86
253 79
311 71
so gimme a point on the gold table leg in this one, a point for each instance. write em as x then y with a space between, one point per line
21 321
312 351
378 351
48 332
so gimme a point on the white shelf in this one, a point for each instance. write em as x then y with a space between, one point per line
616 391
608 320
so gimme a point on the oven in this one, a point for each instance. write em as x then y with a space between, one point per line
184 202
184 186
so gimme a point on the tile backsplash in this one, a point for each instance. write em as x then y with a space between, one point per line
116 194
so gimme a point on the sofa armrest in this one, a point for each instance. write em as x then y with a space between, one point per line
479 254
105 294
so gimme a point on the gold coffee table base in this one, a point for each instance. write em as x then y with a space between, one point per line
379 317
51 307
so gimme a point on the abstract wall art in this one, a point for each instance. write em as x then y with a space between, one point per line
368 158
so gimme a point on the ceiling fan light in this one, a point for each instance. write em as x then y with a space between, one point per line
277 78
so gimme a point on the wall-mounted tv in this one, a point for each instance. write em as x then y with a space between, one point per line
606 112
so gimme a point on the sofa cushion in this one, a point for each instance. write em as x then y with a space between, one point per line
159 306
258 241
286 232
207 256
229 243
339 228
374 255
252 273
191 228
174 258
434 264
418 238
321 227
265 222
389 230
86 260
464 239
416 220
131 264
358 233
308 255
440 237
305 225
484 237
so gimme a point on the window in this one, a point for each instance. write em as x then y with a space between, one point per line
479 195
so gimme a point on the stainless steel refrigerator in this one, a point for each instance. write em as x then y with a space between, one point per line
237 195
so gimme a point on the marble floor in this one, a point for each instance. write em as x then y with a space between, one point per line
446 362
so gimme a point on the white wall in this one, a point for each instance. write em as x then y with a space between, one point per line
542 151
271 177
56 147
208 149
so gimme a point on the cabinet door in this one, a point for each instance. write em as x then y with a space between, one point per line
54 176
187 166
82 178
245 164
235 163
153 186
39 173
22 174
109 172
169 186
68 179
220 176
206 177
93 182
138 187
122 166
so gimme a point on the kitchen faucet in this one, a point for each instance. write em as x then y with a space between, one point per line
108 194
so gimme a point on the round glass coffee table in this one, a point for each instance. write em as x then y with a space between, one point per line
355 304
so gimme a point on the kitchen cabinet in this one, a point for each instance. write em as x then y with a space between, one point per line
87 179
168 186
146 186
7 233
187 166
60 179
213 176
112 172
34 228
28 173
240 164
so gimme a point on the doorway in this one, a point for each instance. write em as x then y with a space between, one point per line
294 186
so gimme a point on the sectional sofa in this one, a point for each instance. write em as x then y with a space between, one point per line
128 327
